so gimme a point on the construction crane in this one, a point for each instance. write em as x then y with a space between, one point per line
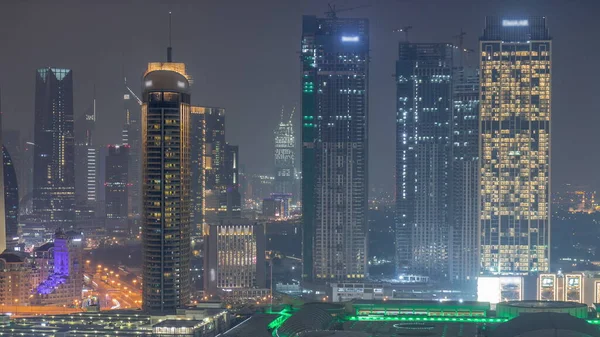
332 12
132 93
404 30
461 39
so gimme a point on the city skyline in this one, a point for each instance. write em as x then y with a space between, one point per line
104 68
267 176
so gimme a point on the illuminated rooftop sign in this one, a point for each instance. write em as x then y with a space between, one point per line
515 23
350 39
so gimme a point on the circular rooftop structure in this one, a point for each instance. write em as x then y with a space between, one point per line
516 308
165 80
543 324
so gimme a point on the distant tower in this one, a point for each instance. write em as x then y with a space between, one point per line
3 224
166 224
231 201
11 200
54 168
215 181
116 186
515 109
335 73
131 135
285 149
85 161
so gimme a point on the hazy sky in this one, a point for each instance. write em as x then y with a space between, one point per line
243 56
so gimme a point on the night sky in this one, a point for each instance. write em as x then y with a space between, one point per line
244 56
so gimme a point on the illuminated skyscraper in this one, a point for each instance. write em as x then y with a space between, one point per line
463 249
4 236
230 199
116 186
53 164
424 112
285 156
166 229
11 200
515 95
131 135
215 185
85 160
335 68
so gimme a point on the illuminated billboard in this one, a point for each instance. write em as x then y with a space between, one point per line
547 287
499 289
574 288
511 288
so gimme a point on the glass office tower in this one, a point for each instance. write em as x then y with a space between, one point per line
335 72
515 98
54 150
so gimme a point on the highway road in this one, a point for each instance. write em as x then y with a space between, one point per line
111 289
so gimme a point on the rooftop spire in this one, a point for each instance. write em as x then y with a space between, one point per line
169 49
94 102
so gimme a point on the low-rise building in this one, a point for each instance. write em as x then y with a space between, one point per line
15 279
60 270
234 255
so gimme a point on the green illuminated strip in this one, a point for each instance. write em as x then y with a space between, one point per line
426 319
439 319
277 322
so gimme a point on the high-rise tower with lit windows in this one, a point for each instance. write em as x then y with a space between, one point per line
515 109
166 184
285 156
335 73
424 112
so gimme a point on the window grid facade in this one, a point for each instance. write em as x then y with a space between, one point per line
424 111
515 98
464 189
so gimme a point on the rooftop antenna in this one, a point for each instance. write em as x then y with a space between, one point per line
281 116
169 49
94 118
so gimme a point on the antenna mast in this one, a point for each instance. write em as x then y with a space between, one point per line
94 102
169 49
